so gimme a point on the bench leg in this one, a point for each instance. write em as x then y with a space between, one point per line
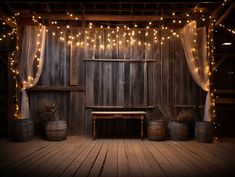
142 127
94 128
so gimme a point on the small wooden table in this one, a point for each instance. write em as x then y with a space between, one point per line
117 115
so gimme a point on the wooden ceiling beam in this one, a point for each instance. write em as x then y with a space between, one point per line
82 15
47 8
230 10
145 9
155 2
217 12
88 17
117 2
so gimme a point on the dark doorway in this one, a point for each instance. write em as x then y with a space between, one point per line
3 94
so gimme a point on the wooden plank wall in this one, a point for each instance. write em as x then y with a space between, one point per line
62 67
116 77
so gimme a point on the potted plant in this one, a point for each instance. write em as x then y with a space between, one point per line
180 127
157 128
55 129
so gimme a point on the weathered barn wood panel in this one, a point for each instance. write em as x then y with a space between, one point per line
117 72
115 84
62 67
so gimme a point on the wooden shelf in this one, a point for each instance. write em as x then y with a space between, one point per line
224 91
184 106
188 106
225 101
119 107
227 55
121 60
59 88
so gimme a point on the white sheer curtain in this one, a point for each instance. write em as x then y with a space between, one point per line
194 42
31 62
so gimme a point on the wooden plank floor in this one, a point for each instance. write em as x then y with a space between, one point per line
80 157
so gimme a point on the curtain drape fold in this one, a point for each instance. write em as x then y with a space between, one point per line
194 41
31 63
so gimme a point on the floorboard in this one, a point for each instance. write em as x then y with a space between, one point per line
110 163
99 162
85 167
83 157
123 169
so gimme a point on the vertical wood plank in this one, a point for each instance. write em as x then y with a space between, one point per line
146 84
76 114
76 105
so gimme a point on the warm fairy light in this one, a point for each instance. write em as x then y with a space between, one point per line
15 73
232 31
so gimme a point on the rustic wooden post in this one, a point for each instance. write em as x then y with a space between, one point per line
76 106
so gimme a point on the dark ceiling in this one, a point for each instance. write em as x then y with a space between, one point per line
170 13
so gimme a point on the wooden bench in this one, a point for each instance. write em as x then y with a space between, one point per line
117 115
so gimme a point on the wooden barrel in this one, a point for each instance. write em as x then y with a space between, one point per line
23 129
178 130
56 130
204 132
157 130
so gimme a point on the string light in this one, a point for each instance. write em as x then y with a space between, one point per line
129 38
8 35
232 31
210 47
15 73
